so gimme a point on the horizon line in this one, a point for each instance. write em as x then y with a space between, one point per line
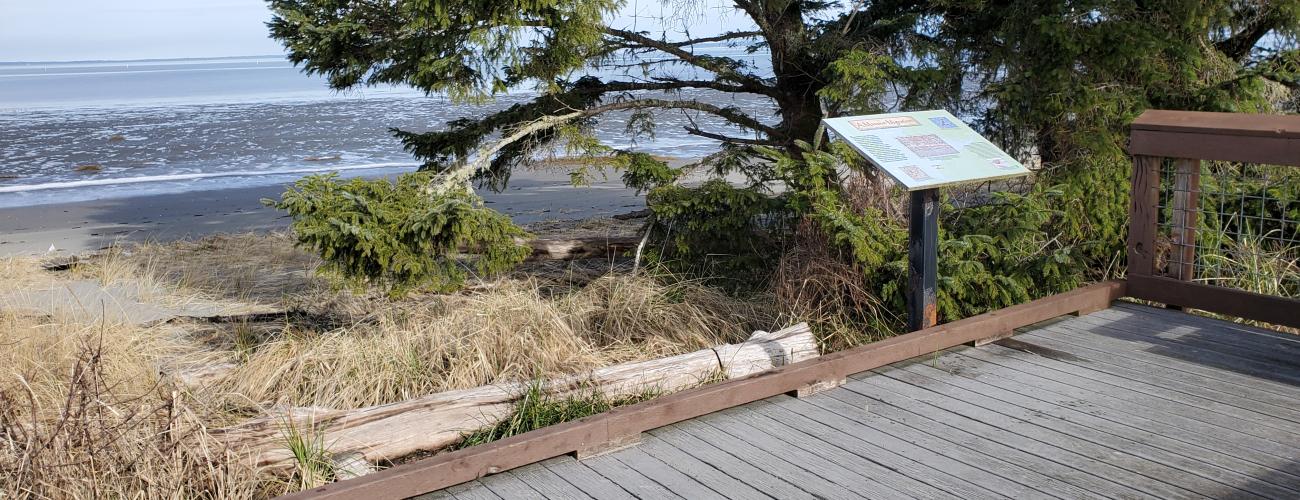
149 59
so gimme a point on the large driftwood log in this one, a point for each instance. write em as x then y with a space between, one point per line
436 421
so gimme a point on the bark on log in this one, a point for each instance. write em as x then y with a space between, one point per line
436 421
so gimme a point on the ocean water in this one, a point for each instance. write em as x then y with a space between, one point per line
90 130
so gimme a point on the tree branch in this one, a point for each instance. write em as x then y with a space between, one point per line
673 84
732 115
737 140
732 35
1239 45
718 65
466 168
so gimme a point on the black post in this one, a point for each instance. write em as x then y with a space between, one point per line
923 260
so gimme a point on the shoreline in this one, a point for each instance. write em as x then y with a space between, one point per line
81 226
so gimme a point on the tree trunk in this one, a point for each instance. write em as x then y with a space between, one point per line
797 73
801 112
436 421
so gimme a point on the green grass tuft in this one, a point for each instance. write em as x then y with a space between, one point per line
536 410
310 455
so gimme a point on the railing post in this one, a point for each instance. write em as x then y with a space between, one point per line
1186 208
1143 213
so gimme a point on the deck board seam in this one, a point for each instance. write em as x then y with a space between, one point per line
1196 427
1021 426
1066 465
1182 386
1153 446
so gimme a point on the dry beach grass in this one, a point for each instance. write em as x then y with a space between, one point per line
110 408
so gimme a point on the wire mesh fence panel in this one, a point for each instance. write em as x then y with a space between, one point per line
1228 224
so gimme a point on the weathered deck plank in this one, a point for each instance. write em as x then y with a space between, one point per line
585 479
903 457
706 473
866 456
819 478
1226 470
549 484
1154 478
629 478
987 364
993 442
1232 359
779 487
1139 365
809 438
1222 401
1213 327
1131 402
1191 370
1148 386
994 474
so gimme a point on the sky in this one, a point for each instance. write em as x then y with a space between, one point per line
77 30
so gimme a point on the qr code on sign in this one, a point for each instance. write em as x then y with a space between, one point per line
915 173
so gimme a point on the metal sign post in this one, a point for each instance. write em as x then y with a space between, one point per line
923 260
924 151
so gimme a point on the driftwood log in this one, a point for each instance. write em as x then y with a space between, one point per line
433 422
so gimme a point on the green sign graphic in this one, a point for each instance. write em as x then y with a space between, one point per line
926 149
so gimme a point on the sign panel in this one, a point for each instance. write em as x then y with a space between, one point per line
925 149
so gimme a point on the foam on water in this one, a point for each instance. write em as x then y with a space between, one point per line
115 181
78 131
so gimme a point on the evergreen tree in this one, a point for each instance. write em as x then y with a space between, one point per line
1062 79
1056 79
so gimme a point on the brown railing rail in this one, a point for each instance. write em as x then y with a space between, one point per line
1242 222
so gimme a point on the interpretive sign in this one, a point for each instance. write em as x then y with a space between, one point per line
926 149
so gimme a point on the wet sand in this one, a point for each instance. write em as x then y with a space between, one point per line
77 227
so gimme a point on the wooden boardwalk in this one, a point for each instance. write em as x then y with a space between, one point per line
1129 402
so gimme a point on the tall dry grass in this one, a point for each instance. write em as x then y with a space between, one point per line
98 409
84 414
1267 264
512 332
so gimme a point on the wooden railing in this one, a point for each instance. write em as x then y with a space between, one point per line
1168 262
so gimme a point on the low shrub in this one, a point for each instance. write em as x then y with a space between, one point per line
400 235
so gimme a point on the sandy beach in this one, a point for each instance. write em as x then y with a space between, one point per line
71 228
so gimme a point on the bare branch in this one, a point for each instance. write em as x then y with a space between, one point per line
737 140
717 65
733 35
466 168
460 175
1239 45
672 84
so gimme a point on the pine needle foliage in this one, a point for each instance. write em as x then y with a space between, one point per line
399 235
992 255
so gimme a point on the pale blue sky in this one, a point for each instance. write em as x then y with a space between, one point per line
63 30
